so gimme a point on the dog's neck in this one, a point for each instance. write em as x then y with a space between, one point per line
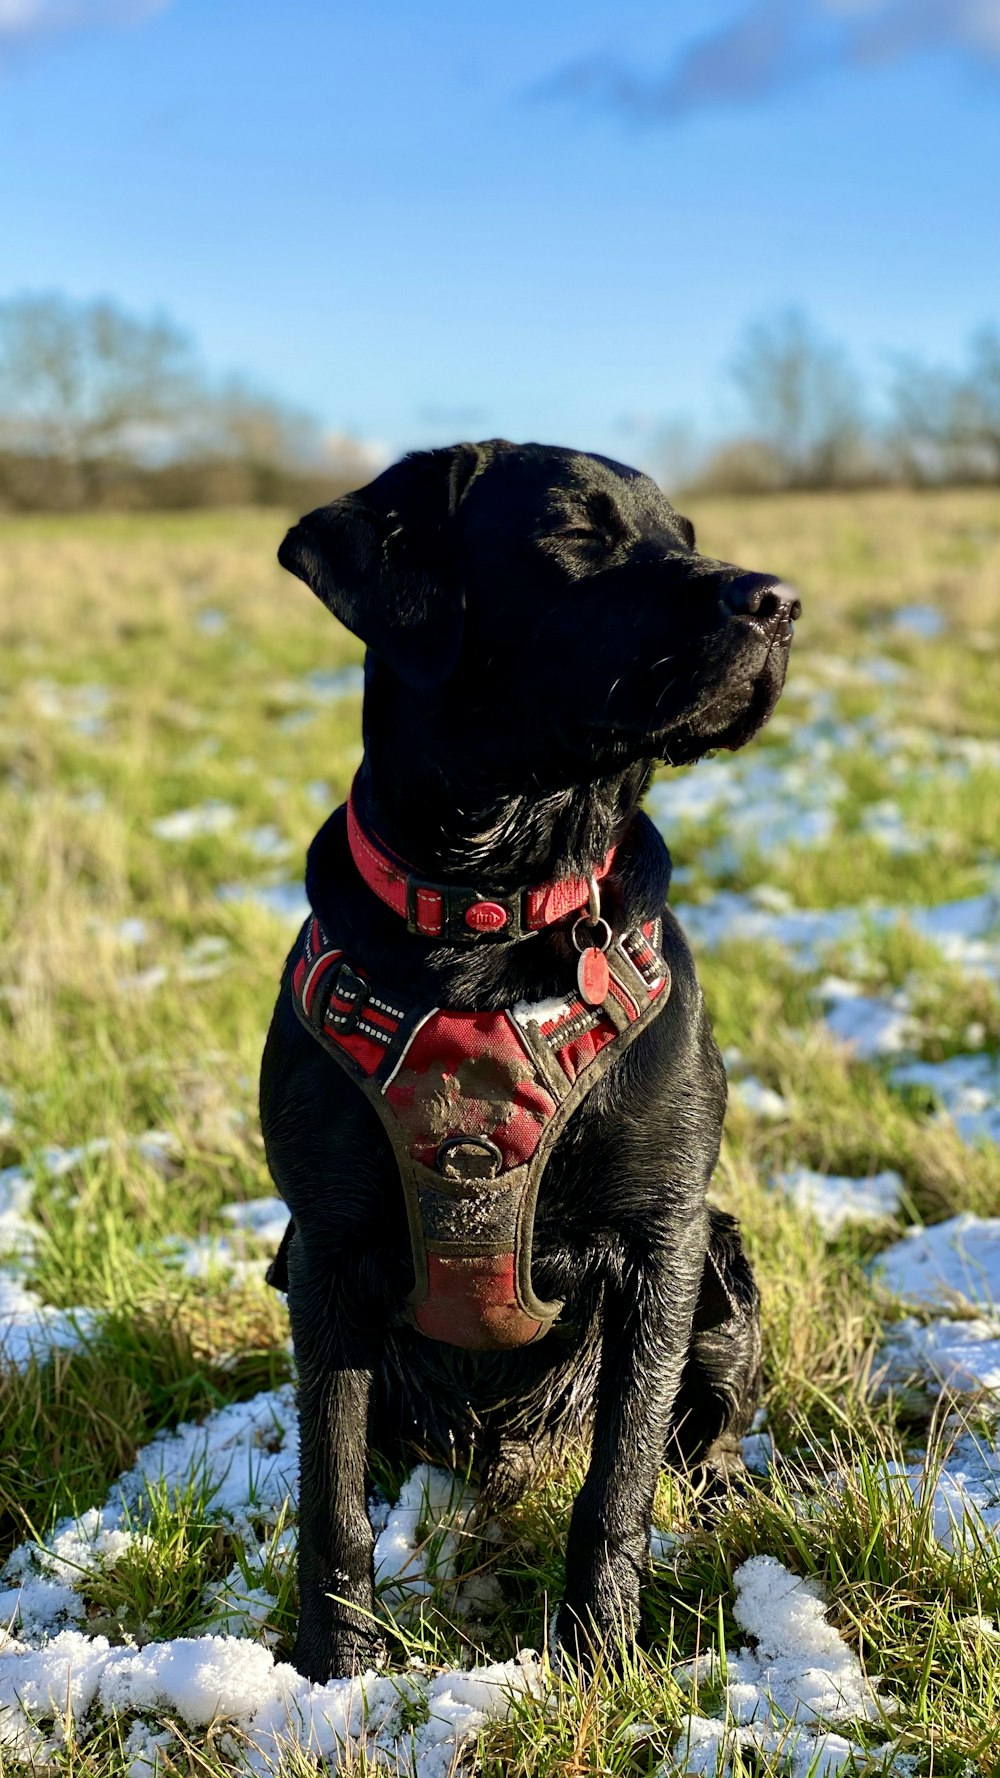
446 830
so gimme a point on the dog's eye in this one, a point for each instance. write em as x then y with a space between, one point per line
595 525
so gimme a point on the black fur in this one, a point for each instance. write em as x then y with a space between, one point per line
541 631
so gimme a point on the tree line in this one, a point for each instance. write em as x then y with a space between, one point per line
810 422
101 408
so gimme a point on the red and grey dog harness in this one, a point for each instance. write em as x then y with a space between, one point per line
473 1102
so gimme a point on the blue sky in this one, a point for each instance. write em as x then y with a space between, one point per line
548 219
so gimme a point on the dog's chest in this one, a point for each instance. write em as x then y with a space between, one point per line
474 1104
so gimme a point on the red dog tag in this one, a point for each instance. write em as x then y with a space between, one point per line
593 976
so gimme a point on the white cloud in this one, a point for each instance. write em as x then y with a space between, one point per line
27 22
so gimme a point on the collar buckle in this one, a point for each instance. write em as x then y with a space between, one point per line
460 915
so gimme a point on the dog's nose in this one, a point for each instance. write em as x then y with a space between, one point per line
761 596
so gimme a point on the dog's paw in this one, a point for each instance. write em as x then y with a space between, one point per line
341 1655
585 1637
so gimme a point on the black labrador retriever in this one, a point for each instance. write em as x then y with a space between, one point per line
541 631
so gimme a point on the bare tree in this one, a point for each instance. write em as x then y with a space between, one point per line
80 381
945 422
803 402
101 407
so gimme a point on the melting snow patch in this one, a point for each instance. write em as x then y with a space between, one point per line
963 1356
835 1200
966 932
966 1087
29 1329
961 1488
957 1261
190 824
924 621
866 1024
266 1219
767 807
758 1099
780 1695
244 1460
286 900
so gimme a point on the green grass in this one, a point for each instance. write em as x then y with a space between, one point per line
189 715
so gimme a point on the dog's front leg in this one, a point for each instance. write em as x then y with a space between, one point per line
338 1344
645 1338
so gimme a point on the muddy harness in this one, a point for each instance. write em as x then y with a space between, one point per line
473 1102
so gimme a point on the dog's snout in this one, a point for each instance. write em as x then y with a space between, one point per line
760 596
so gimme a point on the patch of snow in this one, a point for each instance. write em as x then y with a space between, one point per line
963 1356
244 1456
30 1329
967 1088
16 1189
328 685
266 1219
424 1535
209 621
286 900
760 1100
959 1485
953 1263
189 824
836 1200
83 707
885 823
757 1449
925 621
767 806
783 1691
268 842
966 931
868 1025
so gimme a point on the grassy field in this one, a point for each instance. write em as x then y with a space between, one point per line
176 717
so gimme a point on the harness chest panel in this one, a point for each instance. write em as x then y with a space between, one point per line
472 1103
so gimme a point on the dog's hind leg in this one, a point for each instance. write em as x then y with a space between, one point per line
720 1387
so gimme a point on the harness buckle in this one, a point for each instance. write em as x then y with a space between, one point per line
349 996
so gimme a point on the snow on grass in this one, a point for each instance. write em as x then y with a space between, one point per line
960 1488
966 1087
766 806
760 1100
867 1025
963 1356
782 1692
834 1199
924 621
287 901
264 1218
209 817
30 1329
966 931
953 1262
954 1265
243 1462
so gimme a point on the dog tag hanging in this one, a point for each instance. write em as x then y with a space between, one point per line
593 977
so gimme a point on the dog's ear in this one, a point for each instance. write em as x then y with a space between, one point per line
386 561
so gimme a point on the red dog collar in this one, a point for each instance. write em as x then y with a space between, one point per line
449 911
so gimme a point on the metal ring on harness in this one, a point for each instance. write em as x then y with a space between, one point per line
591 943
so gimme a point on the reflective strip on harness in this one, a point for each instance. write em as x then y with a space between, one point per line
472 1103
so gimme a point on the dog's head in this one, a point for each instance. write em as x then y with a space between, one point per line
548 603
